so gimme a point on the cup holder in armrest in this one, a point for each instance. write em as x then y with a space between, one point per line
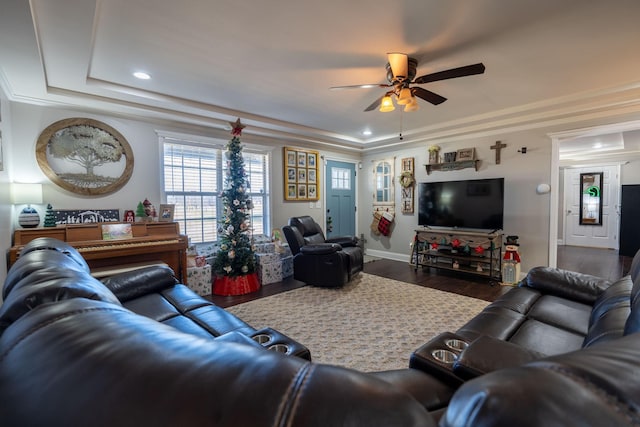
267 341
280 348
444 356
273 340
438 355
262 339
456 344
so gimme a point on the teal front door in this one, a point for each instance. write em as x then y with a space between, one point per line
340 198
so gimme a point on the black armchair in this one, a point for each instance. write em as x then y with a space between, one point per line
319 261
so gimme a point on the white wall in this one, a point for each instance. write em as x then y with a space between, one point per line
5 204
630 173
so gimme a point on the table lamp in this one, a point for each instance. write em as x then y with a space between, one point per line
26 194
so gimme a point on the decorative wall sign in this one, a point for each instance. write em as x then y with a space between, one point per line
466 154
407 182
65 216
85 156
591 198
300 173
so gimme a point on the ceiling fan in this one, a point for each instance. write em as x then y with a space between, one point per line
401 70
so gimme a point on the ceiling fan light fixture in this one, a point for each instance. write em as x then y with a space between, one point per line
399 65
412 105
386 105
404 97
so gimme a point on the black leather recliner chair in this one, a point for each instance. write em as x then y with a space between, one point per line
320 261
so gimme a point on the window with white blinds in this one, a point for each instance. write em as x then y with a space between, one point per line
193 181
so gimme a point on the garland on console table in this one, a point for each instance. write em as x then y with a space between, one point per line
456 243
234 264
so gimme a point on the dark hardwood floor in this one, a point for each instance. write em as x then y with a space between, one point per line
599 262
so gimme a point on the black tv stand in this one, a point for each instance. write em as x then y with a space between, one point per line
472 252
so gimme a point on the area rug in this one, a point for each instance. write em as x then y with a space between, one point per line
371 324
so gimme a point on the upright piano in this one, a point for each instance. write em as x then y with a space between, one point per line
151 242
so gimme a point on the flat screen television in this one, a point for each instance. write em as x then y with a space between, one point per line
473 204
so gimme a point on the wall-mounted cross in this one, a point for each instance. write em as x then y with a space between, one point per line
498 146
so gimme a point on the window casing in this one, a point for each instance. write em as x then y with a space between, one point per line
193 176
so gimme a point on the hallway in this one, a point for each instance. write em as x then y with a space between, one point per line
598 262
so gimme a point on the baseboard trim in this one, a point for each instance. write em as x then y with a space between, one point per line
388 255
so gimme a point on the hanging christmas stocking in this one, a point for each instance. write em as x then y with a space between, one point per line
375 222
384 226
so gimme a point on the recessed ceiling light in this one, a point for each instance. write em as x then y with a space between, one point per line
142 75
366 132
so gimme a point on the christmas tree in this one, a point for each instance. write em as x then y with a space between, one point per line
235 257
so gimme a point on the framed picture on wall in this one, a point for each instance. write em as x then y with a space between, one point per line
300 174
292 192
311 160
302 159
302 191
311 191
291 159
62 154
291 174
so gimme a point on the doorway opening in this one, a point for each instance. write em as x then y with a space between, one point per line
591 150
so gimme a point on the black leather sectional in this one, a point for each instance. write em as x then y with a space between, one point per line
143 350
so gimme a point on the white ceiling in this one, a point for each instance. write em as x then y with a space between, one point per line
271 62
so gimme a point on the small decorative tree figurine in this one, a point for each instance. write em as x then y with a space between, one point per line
140 213
234 263
49 217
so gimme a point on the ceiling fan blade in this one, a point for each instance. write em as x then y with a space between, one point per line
375 104
428 96
363 86
399 63
467 70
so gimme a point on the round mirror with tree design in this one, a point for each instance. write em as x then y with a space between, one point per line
85 156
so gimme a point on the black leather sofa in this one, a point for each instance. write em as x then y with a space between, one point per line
320 261
560 347
155 293
139 349
71 354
